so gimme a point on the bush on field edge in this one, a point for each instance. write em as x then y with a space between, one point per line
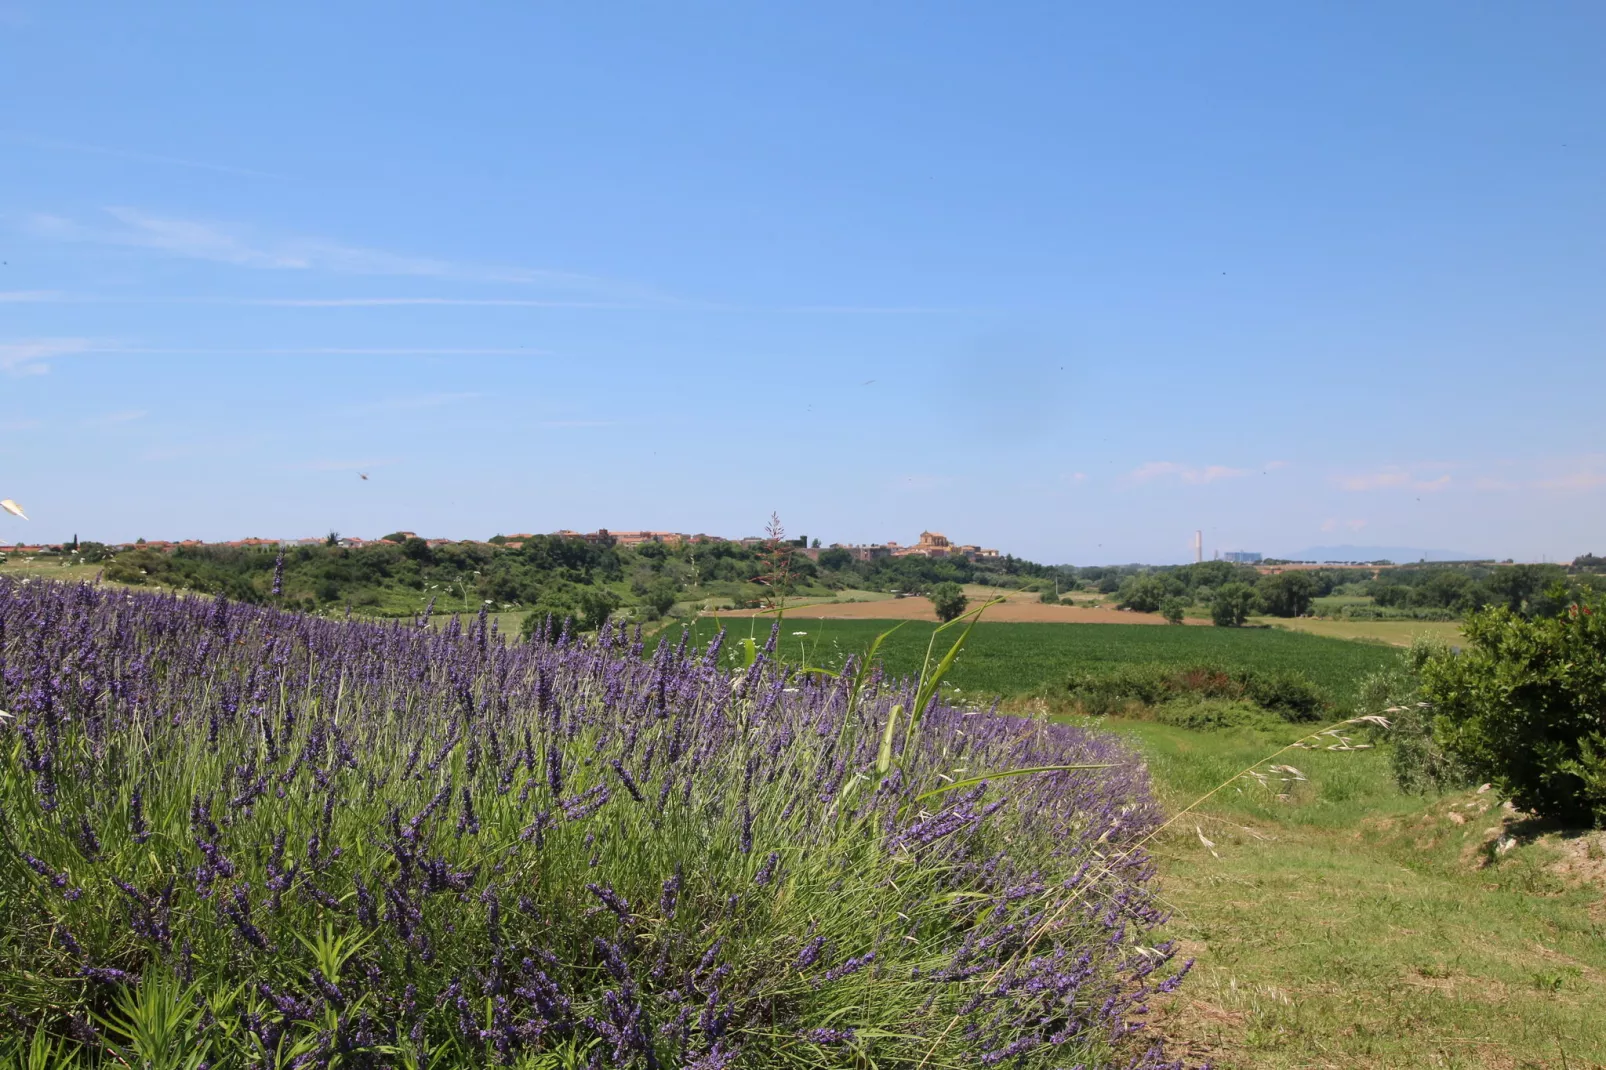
1286 692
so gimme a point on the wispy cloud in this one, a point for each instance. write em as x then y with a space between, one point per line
21 297
112 419
1586 480
20 425
920 482
143 157
1333 524
1273 466
245 247
1395 477
447 302
335 351
877 310
1153 470
578 423
349 466
32 356
415 401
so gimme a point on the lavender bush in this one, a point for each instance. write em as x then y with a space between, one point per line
231 836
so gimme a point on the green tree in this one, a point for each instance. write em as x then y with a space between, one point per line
661 596
1286 594
546 621
1389 594
1173 608
835 559
1232 604
1524 707
1519 587
596 606
1449 589
948 599
1146 593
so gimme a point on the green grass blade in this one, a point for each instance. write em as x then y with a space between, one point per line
973 781
884 757
931 678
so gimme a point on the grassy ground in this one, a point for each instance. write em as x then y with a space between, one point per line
1352 926
47 568
1393 632
1017 659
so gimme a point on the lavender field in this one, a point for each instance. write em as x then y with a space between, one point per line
232 836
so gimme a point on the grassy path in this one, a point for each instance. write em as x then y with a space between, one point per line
1351 926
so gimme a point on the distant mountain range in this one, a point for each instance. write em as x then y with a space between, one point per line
1397 554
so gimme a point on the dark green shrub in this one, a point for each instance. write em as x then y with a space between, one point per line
596 606
1147 593
1418 760
1286 594
545 622
1285 691
660 597
1173 609
1289 694
948 599
1524 707
1231 605
1209 714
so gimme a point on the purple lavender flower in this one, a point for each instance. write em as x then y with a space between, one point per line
810 954
347 722
628 780
88 842
670 897
851 966
136 817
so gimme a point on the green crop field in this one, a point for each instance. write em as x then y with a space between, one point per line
1393 632
1019 659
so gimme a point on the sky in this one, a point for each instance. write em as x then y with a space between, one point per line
1072 281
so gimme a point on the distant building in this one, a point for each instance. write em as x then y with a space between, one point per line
931 544
864 553
1242 557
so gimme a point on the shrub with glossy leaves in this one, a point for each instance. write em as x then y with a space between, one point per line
1524 707
301 842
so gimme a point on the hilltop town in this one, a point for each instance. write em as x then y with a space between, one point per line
931 544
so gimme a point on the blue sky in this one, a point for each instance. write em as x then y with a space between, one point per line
1065 281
